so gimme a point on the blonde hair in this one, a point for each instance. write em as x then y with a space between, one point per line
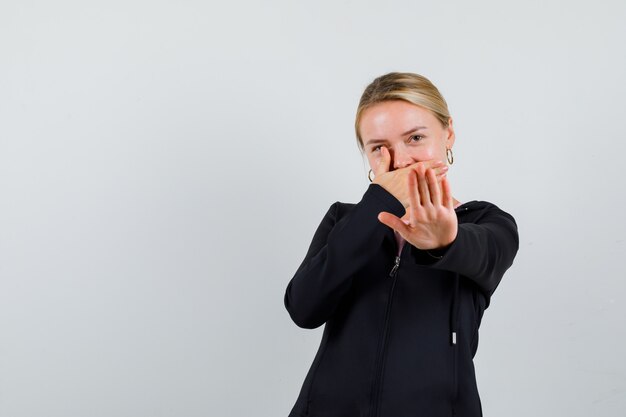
413 88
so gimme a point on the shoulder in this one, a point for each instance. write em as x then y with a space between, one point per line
490 219
338 210
476 210
342 208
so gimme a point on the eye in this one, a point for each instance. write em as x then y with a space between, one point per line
415 138
376 148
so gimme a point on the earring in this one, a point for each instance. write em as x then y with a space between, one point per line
449 156
369 175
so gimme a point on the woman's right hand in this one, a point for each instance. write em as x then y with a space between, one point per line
396 182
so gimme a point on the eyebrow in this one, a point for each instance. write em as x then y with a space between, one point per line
414 129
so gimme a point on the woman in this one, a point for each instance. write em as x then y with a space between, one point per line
400 279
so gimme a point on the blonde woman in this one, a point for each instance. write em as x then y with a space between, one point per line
400 279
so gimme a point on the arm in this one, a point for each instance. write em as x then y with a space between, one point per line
339 249
482 251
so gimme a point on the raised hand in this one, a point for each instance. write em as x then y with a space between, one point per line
395 182
432 220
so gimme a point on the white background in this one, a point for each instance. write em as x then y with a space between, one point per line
164 165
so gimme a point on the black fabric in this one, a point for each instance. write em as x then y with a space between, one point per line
387 347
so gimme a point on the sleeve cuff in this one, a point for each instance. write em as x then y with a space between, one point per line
390 203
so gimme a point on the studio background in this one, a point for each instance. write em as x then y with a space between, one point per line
164 165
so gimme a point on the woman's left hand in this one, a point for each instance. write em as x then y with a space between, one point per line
432 220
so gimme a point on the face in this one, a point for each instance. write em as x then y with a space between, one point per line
411 134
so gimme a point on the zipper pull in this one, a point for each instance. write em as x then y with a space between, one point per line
454 338
395 267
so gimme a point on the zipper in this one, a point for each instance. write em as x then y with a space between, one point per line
377 386
395 267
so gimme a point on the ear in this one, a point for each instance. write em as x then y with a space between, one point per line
451 136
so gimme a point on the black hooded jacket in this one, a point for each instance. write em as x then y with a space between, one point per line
400 331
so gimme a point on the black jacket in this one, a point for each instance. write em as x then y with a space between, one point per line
401 332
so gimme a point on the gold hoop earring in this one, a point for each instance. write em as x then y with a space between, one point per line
369 175
449 156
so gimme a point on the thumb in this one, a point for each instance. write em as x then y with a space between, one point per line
394 222
382 164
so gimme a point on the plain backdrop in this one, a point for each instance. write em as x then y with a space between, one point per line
164 165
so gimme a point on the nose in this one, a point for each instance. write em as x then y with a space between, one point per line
401 158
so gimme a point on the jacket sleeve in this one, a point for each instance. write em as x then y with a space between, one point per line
482 251
340 248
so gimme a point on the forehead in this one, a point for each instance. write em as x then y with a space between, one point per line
393 118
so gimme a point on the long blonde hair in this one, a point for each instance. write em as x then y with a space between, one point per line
413 88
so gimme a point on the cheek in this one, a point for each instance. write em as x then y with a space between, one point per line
373 160
425 154
434 152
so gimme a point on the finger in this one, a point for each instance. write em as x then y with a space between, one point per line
383 162
440 171
394 222
433 163
433 187
429 163
414 197
446 193
439 167
422 186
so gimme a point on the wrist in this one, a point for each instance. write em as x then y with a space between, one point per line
439 251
